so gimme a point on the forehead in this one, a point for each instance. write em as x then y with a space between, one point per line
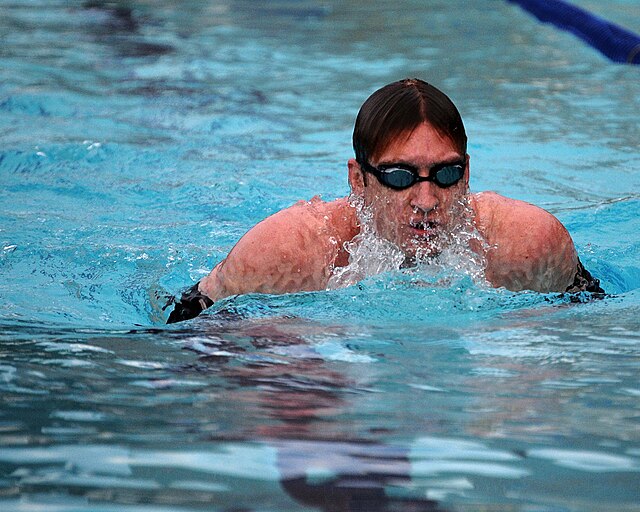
422 146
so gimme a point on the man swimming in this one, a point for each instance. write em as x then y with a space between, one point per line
410 175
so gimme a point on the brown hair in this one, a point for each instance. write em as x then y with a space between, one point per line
400 107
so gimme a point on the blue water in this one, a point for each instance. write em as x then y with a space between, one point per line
138 144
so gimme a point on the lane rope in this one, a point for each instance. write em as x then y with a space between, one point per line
615 42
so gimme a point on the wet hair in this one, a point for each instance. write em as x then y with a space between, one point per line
399 108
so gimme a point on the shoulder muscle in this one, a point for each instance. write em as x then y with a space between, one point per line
292 250
529 247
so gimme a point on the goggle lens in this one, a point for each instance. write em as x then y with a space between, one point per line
397 178
447 176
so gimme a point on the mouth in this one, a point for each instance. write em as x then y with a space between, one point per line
424 229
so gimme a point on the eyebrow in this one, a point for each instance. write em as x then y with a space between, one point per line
403 163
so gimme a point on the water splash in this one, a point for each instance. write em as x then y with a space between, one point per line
461 251
369 254
458 252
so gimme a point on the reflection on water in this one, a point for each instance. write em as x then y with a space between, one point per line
287 413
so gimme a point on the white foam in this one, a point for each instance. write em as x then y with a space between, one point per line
369 254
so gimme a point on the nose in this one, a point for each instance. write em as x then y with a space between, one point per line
424 196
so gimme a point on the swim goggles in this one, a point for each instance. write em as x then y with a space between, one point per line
401 176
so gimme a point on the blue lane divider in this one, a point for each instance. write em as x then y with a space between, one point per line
617 43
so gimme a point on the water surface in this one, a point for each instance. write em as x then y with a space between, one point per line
140 142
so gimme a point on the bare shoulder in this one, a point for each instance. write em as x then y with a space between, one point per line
292 250
529 248
496 213
302 225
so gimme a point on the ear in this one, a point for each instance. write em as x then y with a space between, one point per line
356 178
466 172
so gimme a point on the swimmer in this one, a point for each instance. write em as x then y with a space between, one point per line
411 174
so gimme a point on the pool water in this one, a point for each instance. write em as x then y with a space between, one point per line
141 139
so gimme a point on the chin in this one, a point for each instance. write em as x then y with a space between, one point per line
421 249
